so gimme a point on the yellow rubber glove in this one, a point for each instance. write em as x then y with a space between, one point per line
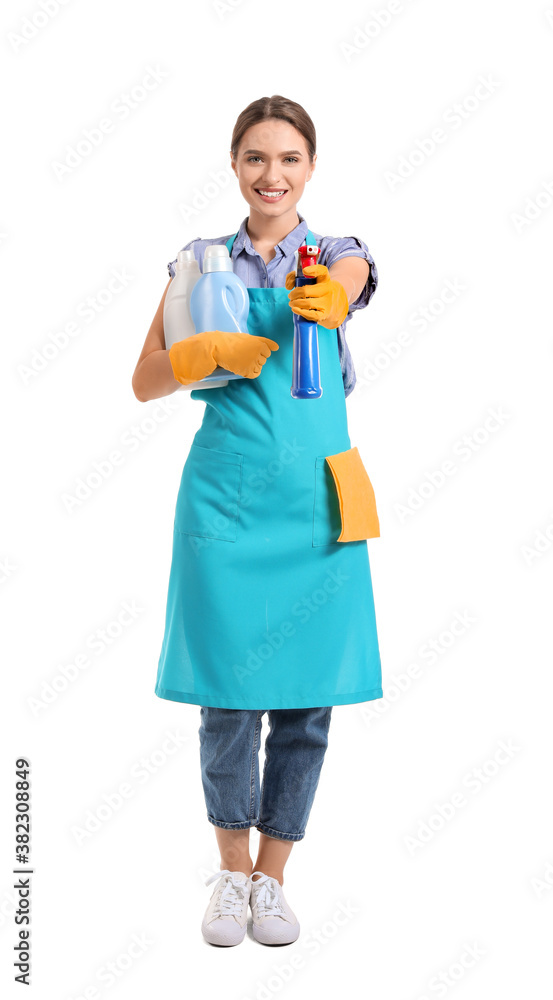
197 356
325 302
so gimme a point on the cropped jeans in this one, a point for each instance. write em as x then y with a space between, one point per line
294 752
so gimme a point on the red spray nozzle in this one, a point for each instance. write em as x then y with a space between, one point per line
308 254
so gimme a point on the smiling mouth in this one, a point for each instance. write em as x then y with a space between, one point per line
272 195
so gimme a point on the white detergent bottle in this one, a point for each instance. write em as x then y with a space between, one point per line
177 320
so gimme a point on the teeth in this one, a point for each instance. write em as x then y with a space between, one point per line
271 194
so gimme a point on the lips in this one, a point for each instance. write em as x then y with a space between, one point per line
271 194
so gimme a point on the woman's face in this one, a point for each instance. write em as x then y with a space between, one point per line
272 157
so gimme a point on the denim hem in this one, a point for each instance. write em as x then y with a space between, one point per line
231 826
277 835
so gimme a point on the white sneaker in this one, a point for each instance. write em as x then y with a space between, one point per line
273 920
226 918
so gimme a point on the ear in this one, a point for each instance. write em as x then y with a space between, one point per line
312 167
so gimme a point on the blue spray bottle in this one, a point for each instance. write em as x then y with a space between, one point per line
306 382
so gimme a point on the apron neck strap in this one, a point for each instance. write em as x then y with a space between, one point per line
309 241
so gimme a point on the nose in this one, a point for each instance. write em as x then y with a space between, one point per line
270 179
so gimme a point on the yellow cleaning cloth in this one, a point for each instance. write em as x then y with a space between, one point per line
356 495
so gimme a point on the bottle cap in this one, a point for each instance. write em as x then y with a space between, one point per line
216 258
184 258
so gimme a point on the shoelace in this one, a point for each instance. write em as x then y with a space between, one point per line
267 897
230 899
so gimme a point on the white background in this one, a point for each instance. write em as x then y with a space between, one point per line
474 210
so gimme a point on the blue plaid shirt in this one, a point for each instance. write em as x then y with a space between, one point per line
249 265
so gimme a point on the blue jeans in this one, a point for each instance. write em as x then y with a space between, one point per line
229 754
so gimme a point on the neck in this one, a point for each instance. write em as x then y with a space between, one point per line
262 229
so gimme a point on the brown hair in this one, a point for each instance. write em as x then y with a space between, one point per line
274 107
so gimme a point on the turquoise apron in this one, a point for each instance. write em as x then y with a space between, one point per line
265 609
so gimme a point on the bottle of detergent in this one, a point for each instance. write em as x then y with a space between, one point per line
177 321
219 301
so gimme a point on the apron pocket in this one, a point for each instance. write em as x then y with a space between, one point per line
356 498
326 509
209 494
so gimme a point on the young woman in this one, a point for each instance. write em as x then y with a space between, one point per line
270 604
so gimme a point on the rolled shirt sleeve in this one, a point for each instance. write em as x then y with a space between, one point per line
333 250
352 246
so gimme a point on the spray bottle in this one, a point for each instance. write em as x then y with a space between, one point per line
305 378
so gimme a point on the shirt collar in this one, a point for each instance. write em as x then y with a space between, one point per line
288 246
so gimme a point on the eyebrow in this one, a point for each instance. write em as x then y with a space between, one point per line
286 152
